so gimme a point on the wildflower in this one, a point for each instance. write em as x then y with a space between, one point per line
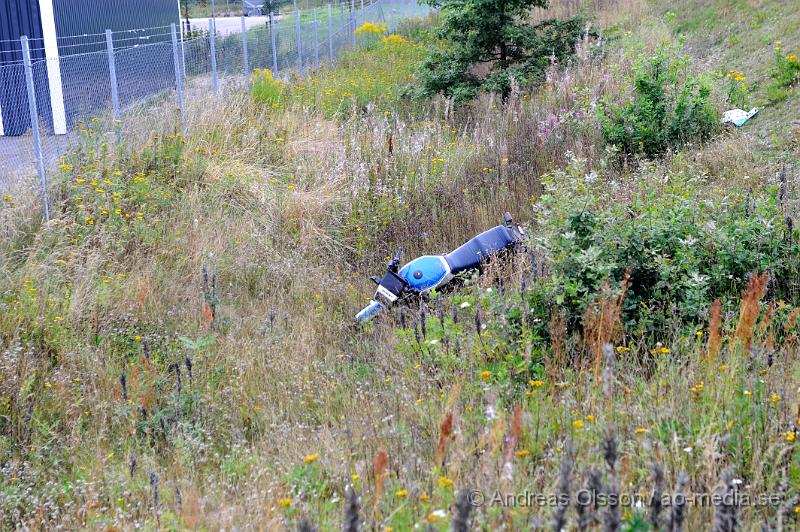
577 424
622 349
748 393
110 455
465 304
640 430
445 482
137 338
790 436
66 167
774 398
311 458
536 384
590 418
792 58
723 367
424 497
401 493
436 515
59 318
486 375
699 334
355 477
522 453
285 502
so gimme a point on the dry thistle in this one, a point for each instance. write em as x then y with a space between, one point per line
463 508
154 488
611 517
678 512
610 357
123 381
714 331
563 488
351 517
725 519
750 308
657 472
423 322
305 526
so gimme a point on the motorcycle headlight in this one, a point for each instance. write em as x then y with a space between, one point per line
390 289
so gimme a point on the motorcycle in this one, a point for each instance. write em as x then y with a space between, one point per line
433 272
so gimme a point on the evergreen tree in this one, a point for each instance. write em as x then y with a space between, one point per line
489 43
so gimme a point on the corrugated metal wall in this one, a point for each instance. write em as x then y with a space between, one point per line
17 18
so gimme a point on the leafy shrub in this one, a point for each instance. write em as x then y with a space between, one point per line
668 108
681 253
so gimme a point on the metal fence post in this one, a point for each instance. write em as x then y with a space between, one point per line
34 112
212 34
316 40
330 32
245 58
299 37
178 73
274 47
353 19
112 72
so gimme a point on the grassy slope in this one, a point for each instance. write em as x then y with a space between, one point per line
283 403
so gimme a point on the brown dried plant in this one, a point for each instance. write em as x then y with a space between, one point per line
602 321
750 308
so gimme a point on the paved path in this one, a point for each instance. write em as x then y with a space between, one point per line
230 25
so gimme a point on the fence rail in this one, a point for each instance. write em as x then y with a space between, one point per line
107 74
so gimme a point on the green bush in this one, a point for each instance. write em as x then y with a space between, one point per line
668 108
682 251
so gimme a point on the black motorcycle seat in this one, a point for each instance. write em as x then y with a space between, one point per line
478 249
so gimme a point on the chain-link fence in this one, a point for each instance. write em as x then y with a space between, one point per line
44 101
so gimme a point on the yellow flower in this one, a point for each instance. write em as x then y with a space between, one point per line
485 375
110 455
401 493
355 477
790 436
748 393
285 502
774 398
622 349
792 58
577 424
66 167
640 430
522 453
311 458
424 497
137 338
536 384
590 418
445 482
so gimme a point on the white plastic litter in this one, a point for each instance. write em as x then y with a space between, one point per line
737 117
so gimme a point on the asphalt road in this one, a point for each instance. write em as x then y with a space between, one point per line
230 25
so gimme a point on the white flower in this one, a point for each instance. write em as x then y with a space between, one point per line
465 304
